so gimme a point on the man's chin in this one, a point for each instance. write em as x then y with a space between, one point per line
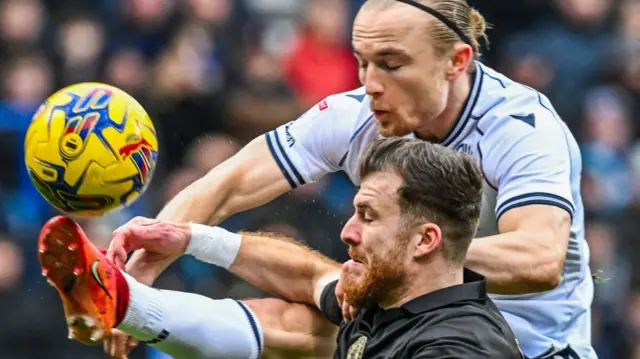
354 268
388 130
354 273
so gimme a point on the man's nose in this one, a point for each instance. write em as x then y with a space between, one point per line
351 233
372 84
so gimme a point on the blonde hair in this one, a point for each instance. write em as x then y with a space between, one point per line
466 18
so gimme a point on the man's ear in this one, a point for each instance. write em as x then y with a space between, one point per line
428 238
458 63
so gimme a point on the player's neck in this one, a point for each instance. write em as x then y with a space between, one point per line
439 276
439 128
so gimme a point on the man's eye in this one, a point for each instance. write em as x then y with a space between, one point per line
364 217
389 67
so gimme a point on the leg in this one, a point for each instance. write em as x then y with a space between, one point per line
97 297
194 326
187 325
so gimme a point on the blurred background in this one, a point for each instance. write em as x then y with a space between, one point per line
214 74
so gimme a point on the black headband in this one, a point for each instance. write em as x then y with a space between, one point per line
450 24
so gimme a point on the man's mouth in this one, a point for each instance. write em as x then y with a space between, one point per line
355 256
379 113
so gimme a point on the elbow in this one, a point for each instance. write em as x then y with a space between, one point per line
544 275
547 278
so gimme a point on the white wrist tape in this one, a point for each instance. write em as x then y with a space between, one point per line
322 283
213 245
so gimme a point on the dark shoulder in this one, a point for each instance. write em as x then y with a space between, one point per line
465 329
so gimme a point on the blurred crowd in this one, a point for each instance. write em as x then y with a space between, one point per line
213 74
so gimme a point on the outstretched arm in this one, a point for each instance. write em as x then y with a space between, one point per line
292 155
247 180
283 267
274 264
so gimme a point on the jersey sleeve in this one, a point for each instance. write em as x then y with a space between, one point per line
329 304
527 160
311 146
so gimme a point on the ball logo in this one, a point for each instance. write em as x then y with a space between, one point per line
130 148
76 132
72 145
86 114
96 99
141 152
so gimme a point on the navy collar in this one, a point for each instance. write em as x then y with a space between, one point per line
464 118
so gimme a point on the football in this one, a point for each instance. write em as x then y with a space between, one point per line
90 149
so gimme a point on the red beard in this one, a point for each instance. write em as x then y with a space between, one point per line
383 277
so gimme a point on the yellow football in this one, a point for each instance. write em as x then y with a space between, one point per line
91 148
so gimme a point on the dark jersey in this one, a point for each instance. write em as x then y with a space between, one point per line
455 322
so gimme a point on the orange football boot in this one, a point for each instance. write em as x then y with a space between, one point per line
85 280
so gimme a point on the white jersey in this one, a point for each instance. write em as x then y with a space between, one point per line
527 155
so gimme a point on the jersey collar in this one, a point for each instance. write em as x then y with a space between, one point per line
464 122
474 287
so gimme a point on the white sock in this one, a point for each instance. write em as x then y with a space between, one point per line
186 325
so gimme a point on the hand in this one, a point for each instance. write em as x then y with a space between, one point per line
118 345
348 311
159 240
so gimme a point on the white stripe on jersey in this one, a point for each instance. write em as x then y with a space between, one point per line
287 167
534 198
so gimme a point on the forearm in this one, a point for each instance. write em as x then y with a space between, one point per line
193 204
280 266
515 262
247 180
198 204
